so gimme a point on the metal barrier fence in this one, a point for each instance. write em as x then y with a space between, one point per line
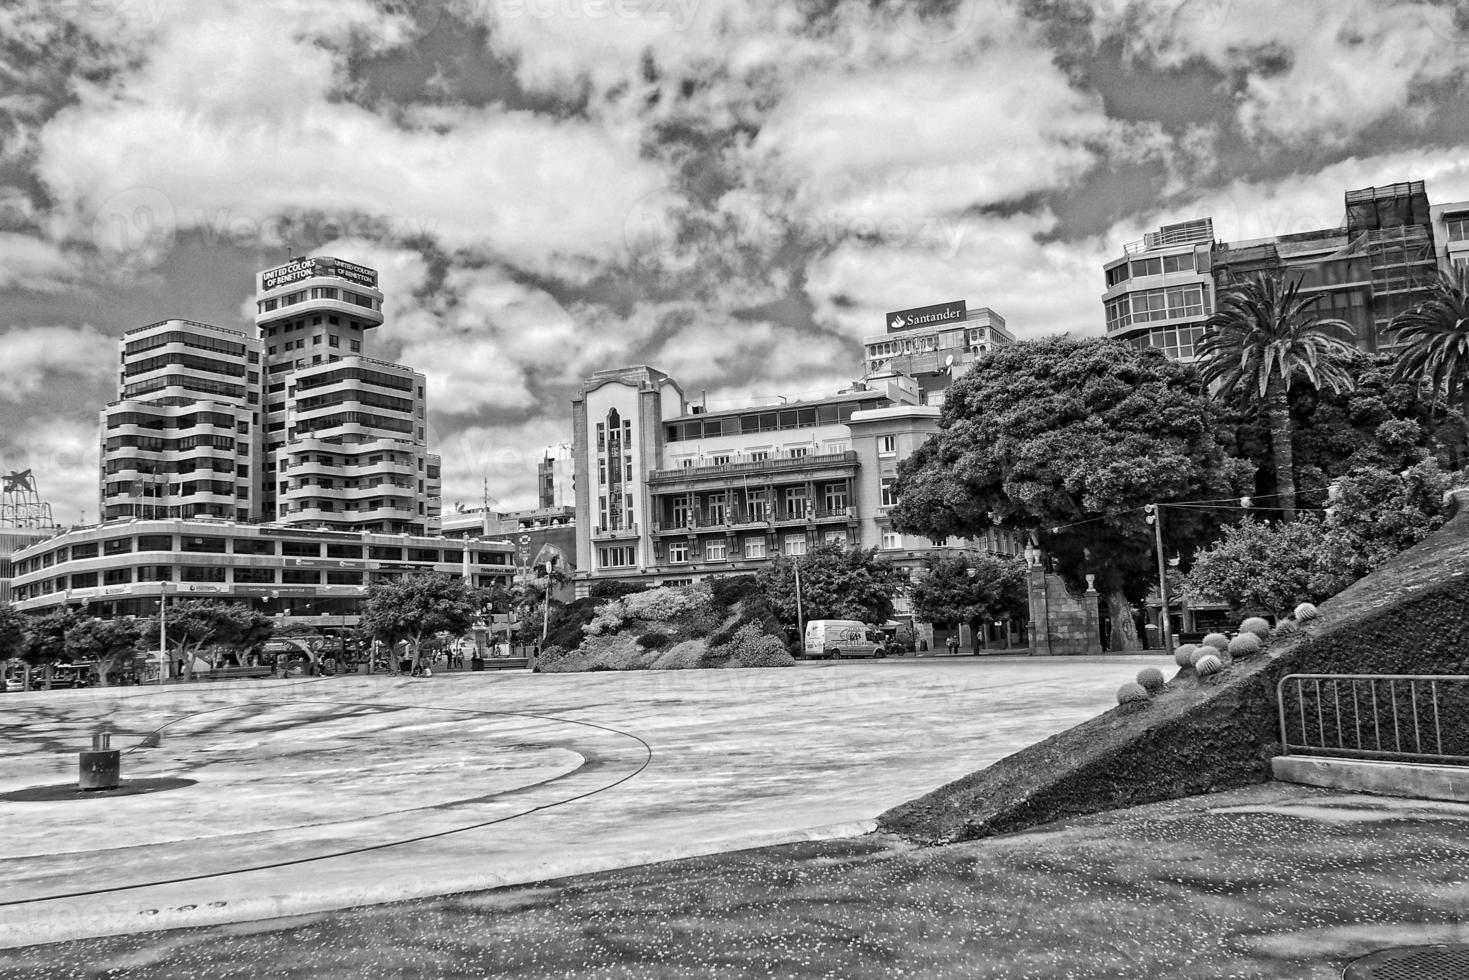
1421 717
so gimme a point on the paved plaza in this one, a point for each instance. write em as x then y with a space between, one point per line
249 800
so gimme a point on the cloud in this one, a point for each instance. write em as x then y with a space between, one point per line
36 356
28 262
62 453
1305 72
504 454
248 142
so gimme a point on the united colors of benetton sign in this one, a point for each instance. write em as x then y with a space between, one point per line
927 316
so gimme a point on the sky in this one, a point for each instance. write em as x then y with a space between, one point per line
732 191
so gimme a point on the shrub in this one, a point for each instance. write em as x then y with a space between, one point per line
1132 693
1245 645
1208 664
1306 612
605 589
1256 625
1184 655
653 641
726 592
752 647
682 656
565 629
1151 679
1218 641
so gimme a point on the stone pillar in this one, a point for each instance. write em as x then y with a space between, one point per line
1061 624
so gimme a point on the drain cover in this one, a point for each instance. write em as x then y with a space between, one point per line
1412 963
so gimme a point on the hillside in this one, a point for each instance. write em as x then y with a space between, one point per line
1211 733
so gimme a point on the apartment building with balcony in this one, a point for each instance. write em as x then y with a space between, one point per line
668 492
1371 267
1450 223
345 434
182 440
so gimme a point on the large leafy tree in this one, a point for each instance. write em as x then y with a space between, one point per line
195 624
1263 338
836 583
1263 567
958 587
111 644
1068 439
46 637
12 632
1435 339
415 607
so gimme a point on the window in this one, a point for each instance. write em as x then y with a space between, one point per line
213 546
838 538
759 455
796 452
715 508
835 497
682 513
254 546
891 540
793 544
678 552
1458 227
356 345
795 503
617 557
719 460
300 576
887 445
715 550
889 495
202 573
334 341
1179 263
301 549
255 576
755 546
755 501
117 576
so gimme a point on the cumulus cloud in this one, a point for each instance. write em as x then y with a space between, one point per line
36 357
28 262
1303 72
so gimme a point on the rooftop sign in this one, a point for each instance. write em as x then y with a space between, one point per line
927 316
325 265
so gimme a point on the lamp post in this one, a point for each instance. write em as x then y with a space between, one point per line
1154 517
163 630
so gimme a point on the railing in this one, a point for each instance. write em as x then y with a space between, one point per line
1419 717
775 465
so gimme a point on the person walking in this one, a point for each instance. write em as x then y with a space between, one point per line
953 644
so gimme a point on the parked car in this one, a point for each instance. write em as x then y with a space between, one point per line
15 684
834 639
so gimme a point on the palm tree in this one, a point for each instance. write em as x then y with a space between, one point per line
1260 338
1435 341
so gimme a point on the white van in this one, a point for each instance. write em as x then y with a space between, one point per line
837 638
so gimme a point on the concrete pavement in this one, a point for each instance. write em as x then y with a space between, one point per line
305 795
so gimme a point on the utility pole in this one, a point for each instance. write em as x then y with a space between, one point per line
163 630
800 623
1155 518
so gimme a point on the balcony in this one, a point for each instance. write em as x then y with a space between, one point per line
736 519
818 466
601 532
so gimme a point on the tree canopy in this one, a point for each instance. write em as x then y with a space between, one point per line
193 624
836 583
109 643
1068 439
1435 338
12 632
415 607
961 587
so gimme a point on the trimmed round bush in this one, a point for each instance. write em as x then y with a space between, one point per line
1132 693
1151 678
1245 645
1208 664
1256 625
1306 612
1218 641
1184 655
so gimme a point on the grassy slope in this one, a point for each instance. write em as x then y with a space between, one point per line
1410 616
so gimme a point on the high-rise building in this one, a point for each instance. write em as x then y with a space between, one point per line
345 435
1368 269
295 426
182 440
1450 234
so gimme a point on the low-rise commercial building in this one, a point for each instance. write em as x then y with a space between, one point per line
320 577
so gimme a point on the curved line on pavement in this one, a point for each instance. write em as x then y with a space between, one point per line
366 849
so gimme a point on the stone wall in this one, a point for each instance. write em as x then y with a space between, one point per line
1060 623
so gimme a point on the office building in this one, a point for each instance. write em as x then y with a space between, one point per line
933 345
556 477
1450 235
315 577
1368 269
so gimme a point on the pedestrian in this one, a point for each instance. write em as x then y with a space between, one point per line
953 644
